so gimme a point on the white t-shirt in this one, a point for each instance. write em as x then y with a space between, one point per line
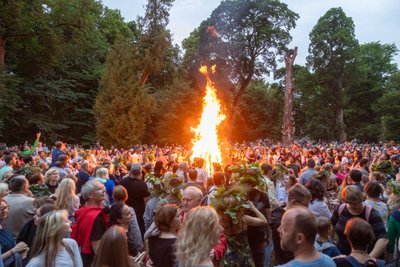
202 176
62 258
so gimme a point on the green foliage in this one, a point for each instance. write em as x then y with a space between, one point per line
123 106
374 67
157 188
332 54
384 166
259 113
179 107
388 106
231 201
54 58
57 51
243 38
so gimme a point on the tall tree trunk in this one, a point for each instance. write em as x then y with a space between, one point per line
340 122
288 127
2 49
340 114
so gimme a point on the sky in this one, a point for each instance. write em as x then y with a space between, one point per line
374 20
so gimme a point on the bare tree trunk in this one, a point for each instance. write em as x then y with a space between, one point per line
288 127
340 115
2 49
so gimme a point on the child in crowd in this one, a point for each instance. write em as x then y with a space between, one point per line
323 242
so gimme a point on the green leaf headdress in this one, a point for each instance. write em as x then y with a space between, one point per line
230 202
384 166
174 184
157 188
394 185
279 172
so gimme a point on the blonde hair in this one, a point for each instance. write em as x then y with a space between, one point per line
200 233
48 173
49 236
65 194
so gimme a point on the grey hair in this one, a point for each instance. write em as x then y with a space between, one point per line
102 173
89 188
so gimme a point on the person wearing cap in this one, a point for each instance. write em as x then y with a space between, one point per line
138 193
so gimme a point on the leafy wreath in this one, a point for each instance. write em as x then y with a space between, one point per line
384 166
230 202
394 186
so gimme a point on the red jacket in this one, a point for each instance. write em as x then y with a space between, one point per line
82 228
219 249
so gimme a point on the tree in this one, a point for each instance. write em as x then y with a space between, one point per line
288 119
243 38
123 106
54 60
259 113
155 40
388 106
332 52
373 69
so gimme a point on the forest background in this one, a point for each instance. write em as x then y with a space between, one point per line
77 72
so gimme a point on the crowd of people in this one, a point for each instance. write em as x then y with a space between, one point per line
267 205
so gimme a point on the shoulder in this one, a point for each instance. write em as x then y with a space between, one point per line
37 261
326 260
70 242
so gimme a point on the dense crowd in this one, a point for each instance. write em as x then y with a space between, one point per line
267 205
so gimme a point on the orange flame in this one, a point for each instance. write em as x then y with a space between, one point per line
206 141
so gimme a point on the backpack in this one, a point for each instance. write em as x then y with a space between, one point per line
368 263
368 210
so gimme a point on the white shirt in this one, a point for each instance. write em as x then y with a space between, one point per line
62 258
202 176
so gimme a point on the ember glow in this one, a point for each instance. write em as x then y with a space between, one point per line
205 141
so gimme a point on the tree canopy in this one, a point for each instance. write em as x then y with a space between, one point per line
78 72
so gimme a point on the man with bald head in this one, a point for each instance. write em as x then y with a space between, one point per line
298 231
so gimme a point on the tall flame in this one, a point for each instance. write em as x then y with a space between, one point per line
205 141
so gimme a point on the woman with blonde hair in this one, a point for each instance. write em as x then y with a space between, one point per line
51 248
52 178
200 233
102 176
113 250
66 199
